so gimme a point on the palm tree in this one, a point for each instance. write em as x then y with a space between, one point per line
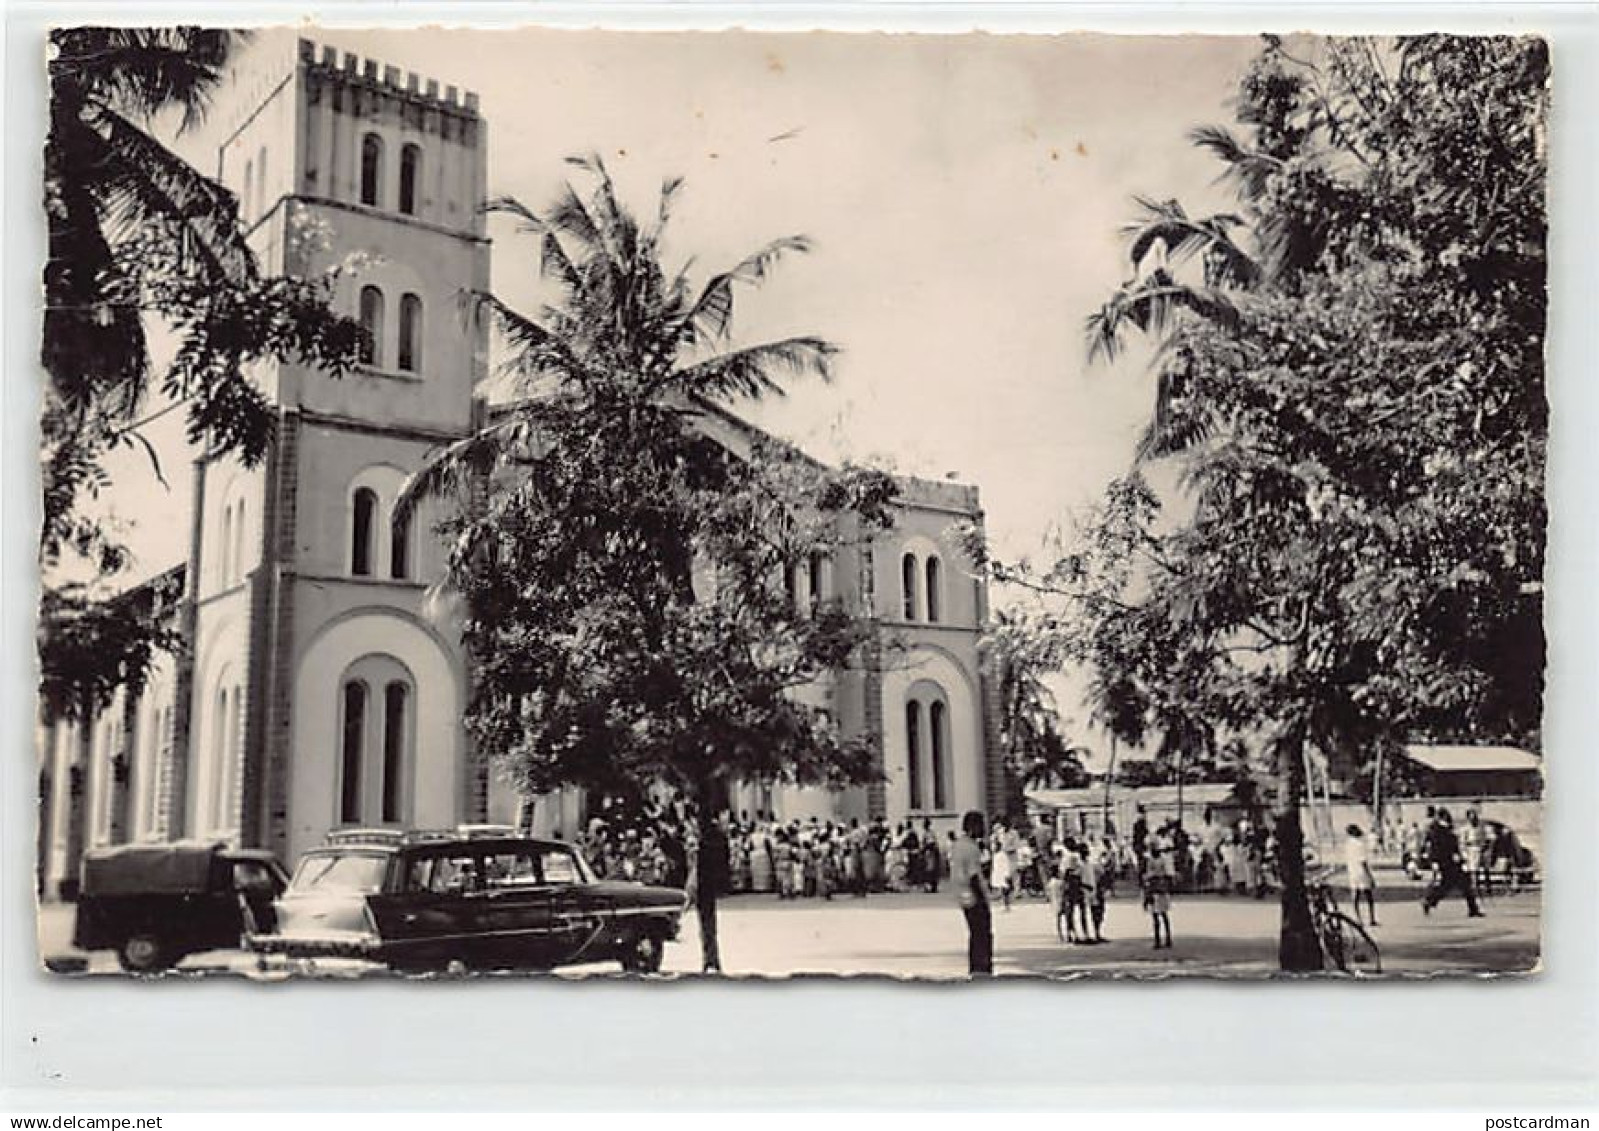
619 324
121 209
606 377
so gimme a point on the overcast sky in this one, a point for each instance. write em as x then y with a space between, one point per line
965 194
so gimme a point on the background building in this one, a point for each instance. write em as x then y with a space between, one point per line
319 688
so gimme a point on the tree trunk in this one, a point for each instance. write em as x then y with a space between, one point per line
708 874
1298 949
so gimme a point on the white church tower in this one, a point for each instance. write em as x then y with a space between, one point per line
321 693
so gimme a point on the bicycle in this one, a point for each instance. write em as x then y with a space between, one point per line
1344 942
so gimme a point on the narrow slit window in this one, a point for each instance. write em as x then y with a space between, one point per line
913 751
354 733
410 170
937 740
371 168
935 596
410 359
908 585
372 326
364 508
396 699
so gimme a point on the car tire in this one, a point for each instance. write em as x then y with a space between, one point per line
644 954
143 953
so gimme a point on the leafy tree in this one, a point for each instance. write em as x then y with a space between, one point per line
138 239
623 568
1352 397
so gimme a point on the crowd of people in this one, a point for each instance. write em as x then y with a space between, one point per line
817 859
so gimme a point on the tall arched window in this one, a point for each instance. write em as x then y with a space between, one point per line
908 585
937 740
238 541
371 168
410 358
400 547
913 751
351 751
225 549
247 197
935 592
410 172
261 190
396 698
372 323
364 515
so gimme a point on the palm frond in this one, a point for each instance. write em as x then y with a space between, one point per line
145 71
712 313
512 438
749 372
1167 224
511 206
140 182
1248 169
1148 305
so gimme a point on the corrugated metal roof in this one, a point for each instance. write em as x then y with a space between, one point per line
1479 758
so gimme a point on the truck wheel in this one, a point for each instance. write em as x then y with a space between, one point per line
142 953
644 955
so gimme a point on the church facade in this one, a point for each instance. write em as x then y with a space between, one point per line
318 686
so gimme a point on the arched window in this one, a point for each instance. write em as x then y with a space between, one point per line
352 748
364 514
410 333
400 547
238 541
937 740
247 197
908 585
410 171
913 751
935 594
371 168
396 698
225 549
372 323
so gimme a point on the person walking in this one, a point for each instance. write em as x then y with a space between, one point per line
972 894
1451 875
1362 883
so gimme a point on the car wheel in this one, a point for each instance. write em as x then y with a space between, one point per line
142 953
644 955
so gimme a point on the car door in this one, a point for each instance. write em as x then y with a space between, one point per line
578 914
428 917
512 912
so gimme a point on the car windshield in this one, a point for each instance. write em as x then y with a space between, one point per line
355 872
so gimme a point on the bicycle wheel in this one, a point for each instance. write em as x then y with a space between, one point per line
1357 952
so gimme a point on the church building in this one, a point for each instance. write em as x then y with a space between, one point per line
319 687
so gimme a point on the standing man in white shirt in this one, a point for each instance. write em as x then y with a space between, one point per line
970 886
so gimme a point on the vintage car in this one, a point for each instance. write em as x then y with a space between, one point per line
474 898
155 904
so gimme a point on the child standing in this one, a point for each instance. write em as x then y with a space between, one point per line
1158 877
